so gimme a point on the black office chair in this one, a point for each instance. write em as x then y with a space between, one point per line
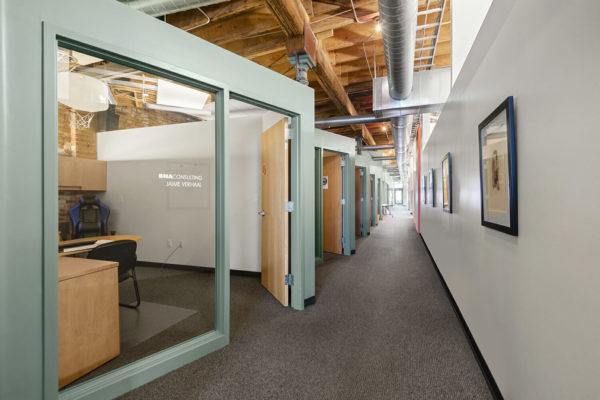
123 252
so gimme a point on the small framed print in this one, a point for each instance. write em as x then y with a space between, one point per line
431 188
498 169
424 190
447 183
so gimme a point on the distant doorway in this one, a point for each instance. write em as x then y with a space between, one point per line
332 202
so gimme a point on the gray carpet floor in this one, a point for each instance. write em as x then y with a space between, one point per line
382 328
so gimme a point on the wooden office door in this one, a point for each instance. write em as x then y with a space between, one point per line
357 203
332 203
275 221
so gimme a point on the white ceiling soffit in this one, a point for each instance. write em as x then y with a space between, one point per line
157 8
430 91
174 95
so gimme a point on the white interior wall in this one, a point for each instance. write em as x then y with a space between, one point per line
531 301
138 199
467 18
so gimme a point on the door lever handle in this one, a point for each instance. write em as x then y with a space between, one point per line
261 213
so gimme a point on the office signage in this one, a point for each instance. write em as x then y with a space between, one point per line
181 180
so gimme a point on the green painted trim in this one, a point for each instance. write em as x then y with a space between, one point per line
297 227
347 209
364 215
124 379
351 202
142 371
318 205
373 198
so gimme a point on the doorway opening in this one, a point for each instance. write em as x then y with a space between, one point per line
260 217
333 202
360 197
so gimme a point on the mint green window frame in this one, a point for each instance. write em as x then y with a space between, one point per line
122 380
30 27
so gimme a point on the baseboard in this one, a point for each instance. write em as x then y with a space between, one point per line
310 301
194 268
485 370
238 272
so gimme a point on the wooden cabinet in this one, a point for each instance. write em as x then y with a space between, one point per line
88 316
81 174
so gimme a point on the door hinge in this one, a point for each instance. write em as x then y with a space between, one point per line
343 202
289 133
289 280
342 240
343 163
289 206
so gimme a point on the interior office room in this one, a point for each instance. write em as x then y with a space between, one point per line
263 198
144 197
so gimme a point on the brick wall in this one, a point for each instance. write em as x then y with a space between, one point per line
133 117
85 139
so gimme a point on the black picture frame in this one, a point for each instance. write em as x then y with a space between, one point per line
447 183
499 199
431 188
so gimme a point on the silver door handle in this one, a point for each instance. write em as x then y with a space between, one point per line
261 213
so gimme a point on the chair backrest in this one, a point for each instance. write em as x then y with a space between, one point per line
89 217
121 251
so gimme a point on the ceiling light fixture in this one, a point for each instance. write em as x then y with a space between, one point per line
378 27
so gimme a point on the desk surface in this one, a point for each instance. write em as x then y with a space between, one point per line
75 242
71 267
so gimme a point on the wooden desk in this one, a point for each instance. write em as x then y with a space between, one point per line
88 316
75 242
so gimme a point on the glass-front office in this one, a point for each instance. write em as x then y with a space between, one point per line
136 214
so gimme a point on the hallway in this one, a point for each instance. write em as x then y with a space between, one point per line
382 328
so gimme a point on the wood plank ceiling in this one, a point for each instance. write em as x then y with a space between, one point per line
351 44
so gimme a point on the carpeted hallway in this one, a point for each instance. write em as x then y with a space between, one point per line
382 328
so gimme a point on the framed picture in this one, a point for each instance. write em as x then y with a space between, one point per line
424 190
447 183
431 188
498 169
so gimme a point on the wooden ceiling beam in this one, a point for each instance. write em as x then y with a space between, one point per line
292 18
256 22
258 46
188 19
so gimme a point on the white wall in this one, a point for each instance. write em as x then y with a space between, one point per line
467 18
530 301
147 212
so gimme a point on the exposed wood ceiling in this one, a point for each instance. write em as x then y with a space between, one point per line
259 29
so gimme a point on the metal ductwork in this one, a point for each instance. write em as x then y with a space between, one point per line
399 126
349 120
379 147
156 8
384 158
398 31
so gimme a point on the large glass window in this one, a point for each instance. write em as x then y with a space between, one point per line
136 215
